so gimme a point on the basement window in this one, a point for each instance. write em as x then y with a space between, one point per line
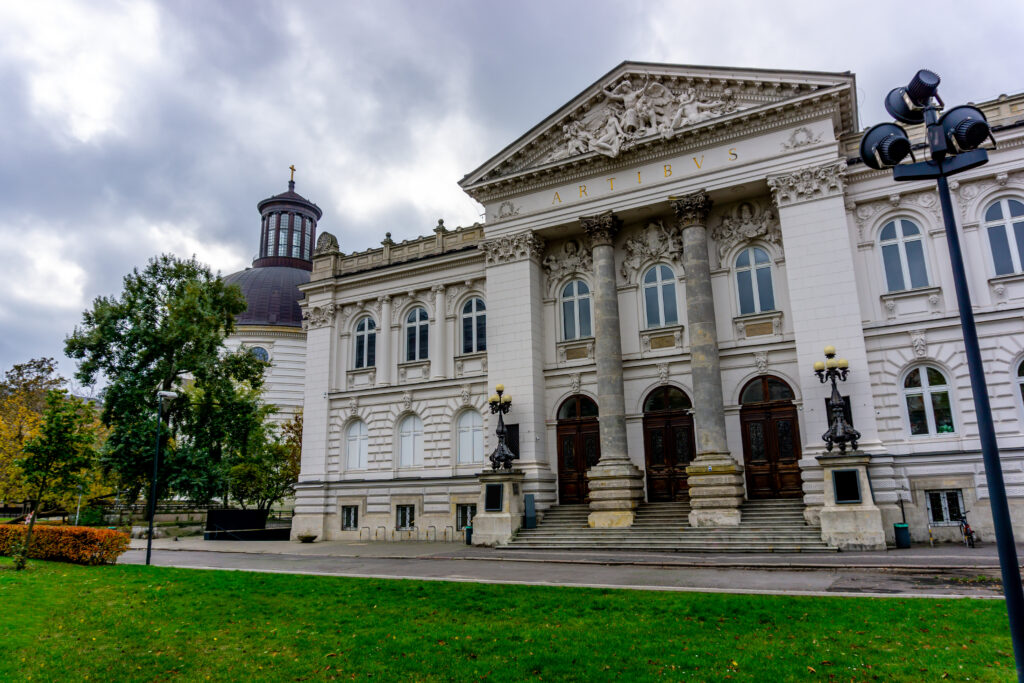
945 508
405 517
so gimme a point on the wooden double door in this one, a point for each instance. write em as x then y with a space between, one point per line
771 450
579 449
668 448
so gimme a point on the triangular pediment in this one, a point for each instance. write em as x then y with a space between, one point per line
639 104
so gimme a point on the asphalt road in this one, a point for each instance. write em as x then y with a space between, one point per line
833 580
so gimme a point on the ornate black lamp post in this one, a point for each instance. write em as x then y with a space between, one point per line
502 457
840 432
953 145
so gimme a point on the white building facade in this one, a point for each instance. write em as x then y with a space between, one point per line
663 260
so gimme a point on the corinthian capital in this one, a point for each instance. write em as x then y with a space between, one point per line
691 209
508 248
816 182
601 228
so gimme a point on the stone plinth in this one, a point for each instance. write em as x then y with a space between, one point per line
855 525
497 527
716 490
616 489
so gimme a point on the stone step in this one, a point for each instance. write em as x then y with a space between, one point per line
685 548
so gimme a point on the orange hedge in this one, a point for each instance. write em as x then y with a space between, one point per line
77 544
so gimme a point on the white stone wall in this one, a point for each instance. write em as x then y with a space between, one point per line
285 378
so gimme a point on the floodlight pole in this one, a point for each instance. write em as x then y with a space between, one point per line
939 168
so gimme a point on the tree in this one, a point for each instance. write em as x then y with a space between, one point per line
23 393
57 457
169 323
268 472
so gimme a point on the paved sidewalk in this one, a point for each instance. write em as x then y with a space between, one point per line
918 558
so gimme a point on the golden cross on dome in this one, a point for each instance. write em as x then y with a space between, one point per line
292 167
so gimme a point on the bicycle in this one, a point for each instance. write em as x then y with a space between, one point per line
966 530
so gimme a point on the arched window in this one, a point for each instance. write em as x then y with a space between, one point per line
576 407
667 398
470 429
366 343
576 311
766 389
1020 381
356 445
926 394
416 335
754 281
410 441
474 326
1004 222
903 255
660 296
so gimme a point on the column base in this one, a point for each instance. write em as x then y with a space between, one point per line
616 489
716 490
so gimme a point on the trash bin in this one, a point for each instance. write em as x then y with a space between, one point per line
469 535
902 535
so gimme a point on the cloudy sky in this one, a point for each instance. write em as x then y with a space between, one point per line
133 128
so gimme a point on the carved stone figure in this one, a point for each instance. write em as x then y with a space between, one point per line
570 258
326 243
508 248
745 223
654 243
690 110
808 183
318 316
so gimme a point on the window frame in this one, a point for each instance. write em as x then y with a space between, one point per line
369 338
575 299
476 434
753 269
415 435
926 390
901 250
477 332
346 524
464 514
1006 223
417 348
948 519
362 445
659 285
405 517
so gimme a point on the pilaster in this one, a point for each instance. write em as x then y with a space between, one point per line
440 352
824 306
383 354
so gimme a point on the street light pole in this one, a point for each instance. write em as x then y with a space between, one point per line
953 142
160 395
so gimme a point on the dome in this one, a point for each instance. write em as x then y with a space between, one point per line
272 293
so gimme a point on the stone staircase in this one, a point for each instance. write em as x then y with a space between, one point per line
766 526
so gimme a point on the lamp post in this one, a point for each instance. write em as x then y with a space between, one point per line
953 142
501 403
160 396
839 432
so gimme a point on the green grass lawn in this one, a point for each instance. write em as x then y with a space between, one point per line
125 623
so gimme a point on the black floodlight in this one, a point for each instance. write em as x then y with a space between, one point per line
964 127
907 104
884 146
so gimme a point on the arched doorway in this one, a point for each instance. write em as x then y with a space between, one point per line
579 447
668 443
771 439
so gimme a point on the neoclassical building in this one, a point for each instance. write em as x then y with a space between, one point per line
662 262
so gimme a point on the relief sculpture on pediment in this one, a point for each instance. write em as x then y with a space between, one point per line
631 113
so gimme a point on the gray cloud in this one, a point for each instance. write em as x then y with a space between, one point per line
130 129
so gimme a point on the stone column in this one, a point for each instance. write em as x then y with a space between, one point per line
715 478
384 342
440 352
616 485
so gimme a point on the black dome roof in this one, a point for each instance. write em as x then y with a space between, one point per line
272 293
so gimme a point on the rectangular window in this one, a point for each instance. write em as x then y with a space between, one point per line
1018 233
651 304
893 267
746 292
360 344
467 334
568 320
296 235
424 340
765 295
282 235
405 517
918 418
464 515
669 294
371 350
410 342
481 333
349 517
915 263
585 318
945 508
